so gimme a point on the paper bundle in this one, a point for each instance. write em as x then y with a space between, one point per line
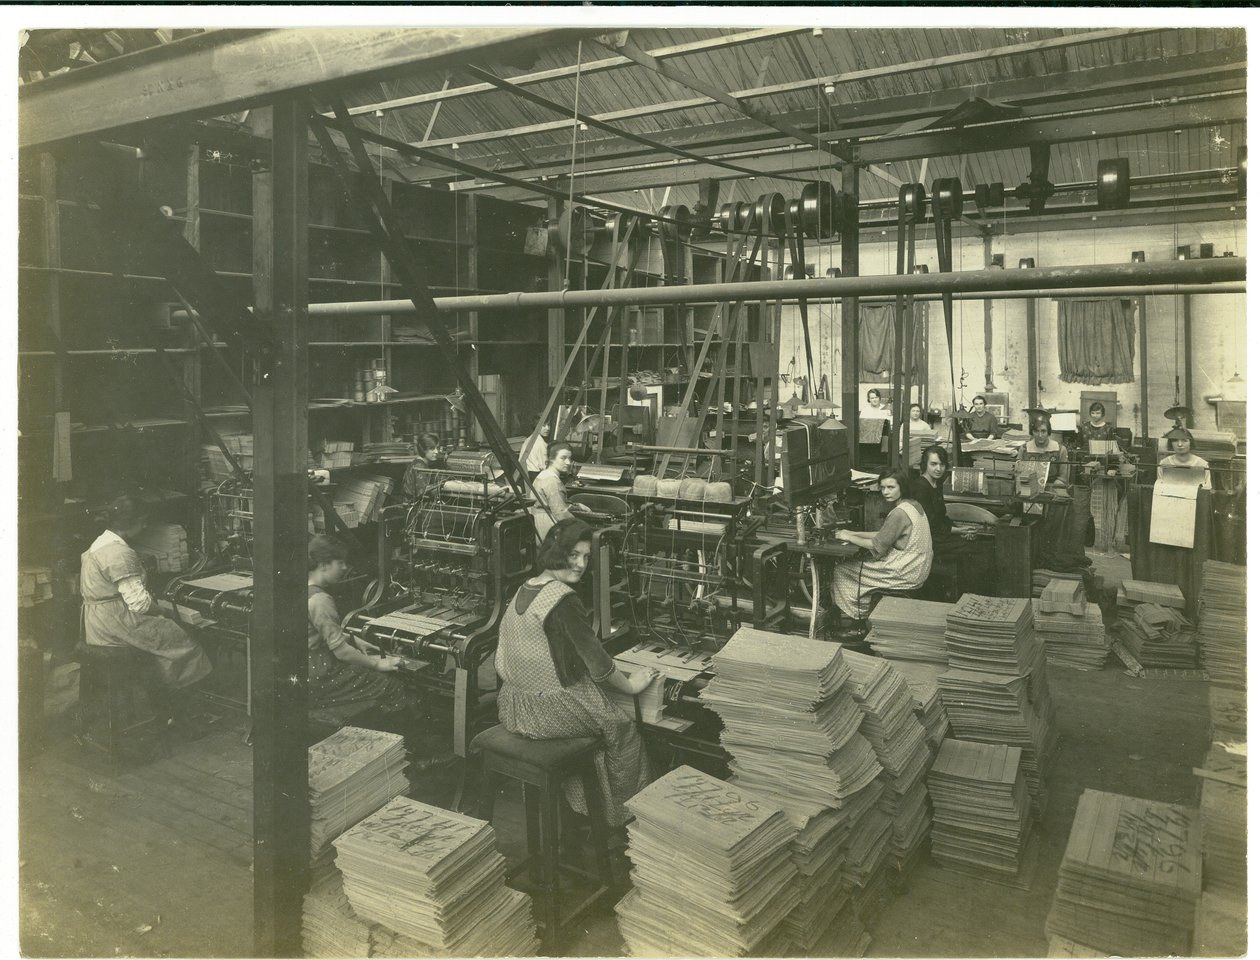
1061 595
904 629
35 584
436 877
1227 711
1130 877
925 689
990 634
981 810
330 927
351 774
1223 623
1157 636
713 873
1223 808
1071 639
166 544
1148 591
1220 924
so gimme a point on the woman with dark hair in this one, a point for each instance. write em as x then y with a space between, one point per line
119 611
417 479
901 551
343 678
554 670
928 488
1097 427
1180 441
553 503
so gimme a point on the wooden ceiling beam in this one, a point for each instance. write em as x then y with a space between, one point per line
707 45
838 150
1082 88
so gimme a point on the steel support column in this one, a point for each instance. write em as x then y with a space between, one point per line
849 267
1143 336
1187 332
1034 379
278 629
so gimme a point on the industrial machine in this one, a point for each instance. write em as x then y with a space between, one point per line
466 545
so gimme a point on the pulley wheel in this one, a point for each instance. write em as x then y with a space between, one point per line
1113 184
769 212
947 202
679 213
816 202
743 216
980 193
912 202
726 217
997 194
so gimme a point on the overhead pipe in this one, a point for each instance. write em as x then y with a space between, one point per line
1100 280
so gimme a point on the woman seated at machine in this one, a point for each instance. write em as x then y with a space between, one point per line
901 551
1097 427
344 681
417 480
981 423
1042 446
1180 442
554 671
553 503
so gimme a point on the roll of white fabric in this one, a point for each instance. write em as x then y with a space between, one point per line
644 486
668 489
719 491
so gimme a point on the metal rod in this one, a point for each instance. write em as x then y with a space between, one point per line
1039 281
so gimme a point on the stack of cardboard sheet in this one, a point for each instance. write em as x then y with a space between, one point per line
351 774
1152 627
1223 807
1130 877
923 679
436 877
900 744
981 811
788 723
713 872
905 629
166 544
1223 623
997 689
1071 631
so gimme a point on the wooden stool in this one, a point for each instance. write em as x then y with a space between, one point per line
542 766
109 679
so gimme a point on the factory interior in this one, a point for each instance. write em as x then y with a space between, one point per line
761 491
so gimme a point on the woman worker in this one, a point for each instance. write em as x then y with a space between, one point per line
981 424
1043 447
901 551
1179 442
343 678
553 504
555 672
417 479
118 611
1097 427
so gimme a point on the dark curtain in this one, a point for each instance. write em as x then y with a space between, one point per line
1219 534
1095 341
877 338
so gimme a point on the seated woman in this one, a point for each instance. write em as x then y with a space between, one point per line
553 502
901 551
1043 447
118 611
417 480
343 679
981 423
555 671
918 426
1180 442
1097 427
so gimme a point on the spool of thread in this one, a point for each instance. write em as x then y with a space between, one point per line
668 489
693 488
719 491
644 486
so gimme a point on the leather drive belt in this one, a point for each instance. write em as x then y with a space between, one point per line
947 204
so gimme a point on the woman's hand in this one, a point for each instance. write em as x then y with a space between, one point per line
842 536
367 646
389 664
641 679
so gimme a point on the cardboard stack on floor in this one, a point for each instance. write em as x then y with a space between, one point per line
1070 629
1130 878
900 744
713 872
793 734
351 774
1152 627
924 681
434 877
1041 578
904 629
996 689
981 812
1223 623
1220 921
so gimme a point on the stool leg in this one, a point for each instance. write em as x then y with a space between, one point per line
599 824
533 818
488 784
552 797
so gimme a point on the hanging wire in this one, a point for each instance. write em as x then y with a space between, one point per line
568 210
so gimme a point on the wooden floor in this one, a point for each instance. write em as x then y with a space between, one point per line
156 860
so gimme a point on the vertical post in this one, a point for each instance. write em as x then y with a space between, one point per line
1034 393
278 630
1187 328
556 280
1142 363
849 267
51 258
988 321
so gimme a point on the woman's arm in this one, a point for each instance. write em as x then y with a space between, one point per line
323 614
552 498
858 538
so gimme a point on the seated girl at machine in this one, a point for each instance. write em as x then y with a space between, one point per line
1043 447
554 672
901 551
417 480
344 678
553 503
1097 427
1180 441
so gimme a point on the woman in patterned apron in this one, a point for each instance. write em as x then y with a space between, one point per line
553 670
901 551
118 611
